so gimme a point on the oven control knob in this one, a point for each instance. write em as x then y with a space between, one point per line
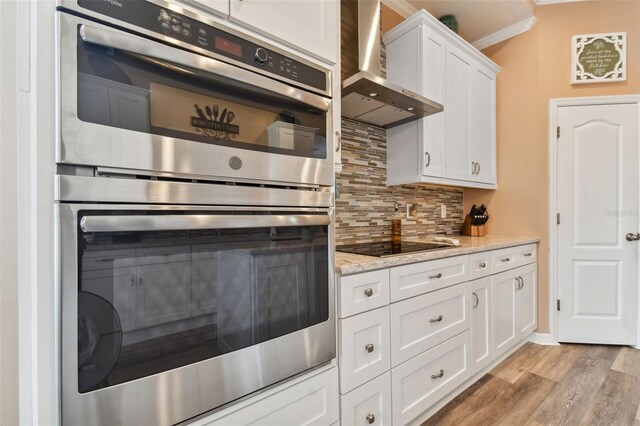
261 55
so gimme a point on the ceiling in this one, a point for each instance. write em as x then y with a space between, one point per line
478 19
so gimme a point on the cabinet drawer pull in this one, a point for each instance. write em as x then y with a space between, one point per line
428 159
369 347
436 319
439 375
106 259
476 300
482 265
133 281
528 254
506 259
370 418
436 276
368 292
339 139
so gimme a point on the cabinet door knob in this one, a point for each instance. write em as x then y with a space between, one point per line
528 254
368 292
482 265
370 418
476 300
436 319
369 347
435 277
439 375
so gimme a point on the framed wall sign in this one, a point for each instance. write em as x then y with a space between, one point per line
598 58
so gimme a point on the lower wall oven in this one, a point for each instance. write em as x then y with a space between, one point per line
171 311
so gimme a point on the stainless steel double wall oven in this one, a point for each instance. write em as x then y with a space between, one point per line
195 211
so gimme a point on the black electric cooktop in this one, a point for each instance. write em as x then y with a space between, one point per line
390 248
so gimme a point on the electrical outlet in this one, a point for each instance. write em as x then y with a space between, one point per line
412 211
443 211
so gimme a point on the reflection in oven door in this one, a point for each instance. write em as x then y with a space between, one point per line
152 301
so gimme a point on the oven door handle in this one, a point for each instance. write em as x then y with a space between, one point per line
161 52
195 222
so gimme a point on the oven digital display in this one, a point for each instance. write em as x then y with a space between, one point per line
228 46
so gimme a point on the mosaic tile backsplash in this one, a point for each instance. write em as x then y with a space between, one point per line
365 205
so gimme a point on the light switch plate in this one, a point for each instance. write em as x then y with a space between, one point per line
412 211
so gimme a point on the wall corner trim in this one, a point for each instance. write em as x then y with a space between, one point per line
401 7
505 33
542 339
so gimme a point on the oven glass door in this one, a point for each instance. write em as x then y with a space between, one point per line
158 291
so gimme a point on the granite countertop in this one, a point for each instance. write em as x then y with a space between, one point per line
347 263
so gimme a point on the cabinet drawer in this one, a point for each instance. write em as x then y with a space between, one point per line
108 259
362 292
364 351
412 280
480 265
420 382
153 255
369 404
526 254
504 259
311 402
422 322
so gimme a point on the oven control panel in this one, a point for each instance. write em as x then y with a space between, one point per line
170 24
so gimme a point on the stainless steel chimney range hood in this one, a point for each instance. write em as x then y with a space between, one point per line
366 96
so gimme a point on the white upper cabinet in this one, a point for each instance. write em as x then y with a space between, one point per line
310 26
454 147
219 7
313 26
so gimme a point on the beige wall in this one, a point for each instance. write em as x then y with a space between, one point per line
535 69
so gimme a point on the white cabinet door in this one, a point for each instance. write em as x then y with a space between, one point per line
118 287
313 26
312 402
164 293
364 349
420 382
526 296
420 323
370 404
460 68
482 99
505 334
481 330
219 7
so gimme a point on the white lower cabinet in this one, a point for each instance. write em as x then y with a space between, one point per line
422 322
412 335
420 382
313 401
363 351
369 404
481 330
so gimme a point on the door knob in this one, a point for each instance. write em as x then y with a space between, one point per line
633 237
368 347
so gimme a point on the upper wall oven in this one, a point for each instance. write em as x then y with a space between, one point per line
151 88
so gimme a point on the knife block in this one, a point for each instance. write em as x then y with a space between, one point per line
472 230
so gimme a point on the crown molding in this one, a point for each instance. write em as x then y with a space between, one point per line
401 7
505 33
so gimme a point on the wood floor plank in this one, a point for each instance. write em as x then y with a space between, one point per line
569 401
473 399
628 361
556 362
520 361
616 402
528 393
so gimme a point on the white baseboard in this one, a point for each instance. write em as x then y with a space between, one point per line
542 339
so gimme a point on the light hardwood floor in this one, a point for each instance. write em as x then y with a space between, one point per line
553 385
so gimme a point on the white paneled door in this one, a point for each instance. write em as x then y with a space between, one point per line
597 251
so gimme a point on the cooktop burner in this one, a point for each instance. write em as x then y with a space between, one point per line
390 248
